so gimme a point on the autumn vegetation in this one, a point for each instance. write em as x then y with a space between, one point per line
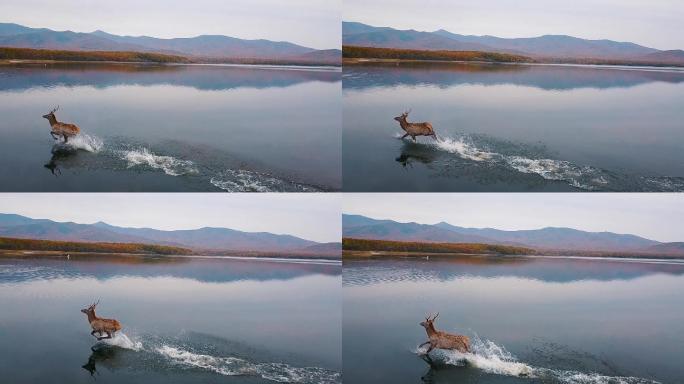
59 55
72 246
29 54
351 244
354 52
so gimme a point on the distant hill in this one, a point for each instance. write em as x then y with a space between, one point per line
361 227
213 46
210 239
547 46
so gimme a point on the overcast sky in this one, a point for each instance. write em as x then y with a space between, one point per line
652 215
654 23
310 216
312 23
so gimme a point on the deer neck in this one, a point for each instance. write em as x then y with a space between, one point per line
52 120
91 316
404 124
431 331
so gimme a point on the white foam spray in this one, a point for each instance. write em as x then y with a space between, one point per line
122 341
495 359
170 165
81 142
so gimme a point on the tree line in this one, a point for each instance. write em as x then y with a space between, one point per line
349 51
352 244
8 243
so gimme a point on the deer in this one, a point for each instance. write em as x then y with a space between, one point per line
100 325
443 340
60 129
414 129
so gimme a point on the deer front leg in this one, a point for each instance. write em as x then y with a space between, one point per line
403 137
430 349
53 135
66 138
93 333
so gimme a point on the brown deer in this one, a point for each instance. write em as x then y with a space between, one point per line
443 340
61 129
414 129
100 325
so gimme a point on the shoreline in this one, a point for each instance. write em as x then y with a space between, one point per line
634 67
313 66
11 253
378 255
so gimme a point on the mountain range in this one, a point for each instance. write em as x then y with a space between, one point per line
207 238
550 238
203 46
541 47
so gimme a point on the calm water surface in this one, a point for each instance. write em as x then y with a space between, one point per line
171 128
184 320
514 128
531 320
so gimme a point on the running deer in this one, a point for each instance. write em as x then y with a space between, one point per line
61 129
100 325
414 129
443 340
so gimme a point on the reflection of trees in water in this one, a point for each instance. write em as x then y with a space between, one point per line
443 269
100 75
445 75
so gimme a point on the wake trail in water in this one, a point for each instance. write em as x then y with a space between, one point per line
82 142
241 180
495 359
170 165
225 365
233 366
579 176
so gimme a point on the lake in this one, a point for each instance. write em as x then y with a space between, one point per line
171 128
513 128
530 320
184 320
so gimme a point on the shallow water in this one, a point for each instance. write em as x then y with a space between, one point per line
514 128
184 320
171 128
530 320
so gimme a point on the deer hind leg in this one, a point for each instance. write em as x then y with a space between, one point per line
66 138
414 138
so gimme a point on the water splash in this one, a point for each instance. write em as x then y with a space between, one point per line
495 359
82 142
170 165
122 341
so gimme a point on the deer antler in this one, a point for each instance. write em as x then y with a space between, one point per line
55 109
409 111
433 317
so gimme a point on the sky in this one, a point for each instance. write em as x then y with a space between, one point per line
312 23
653 23
656 216
310 216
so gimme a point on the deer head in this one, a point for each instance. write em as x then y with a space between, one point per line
91 308
427 324
51 114
403 116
